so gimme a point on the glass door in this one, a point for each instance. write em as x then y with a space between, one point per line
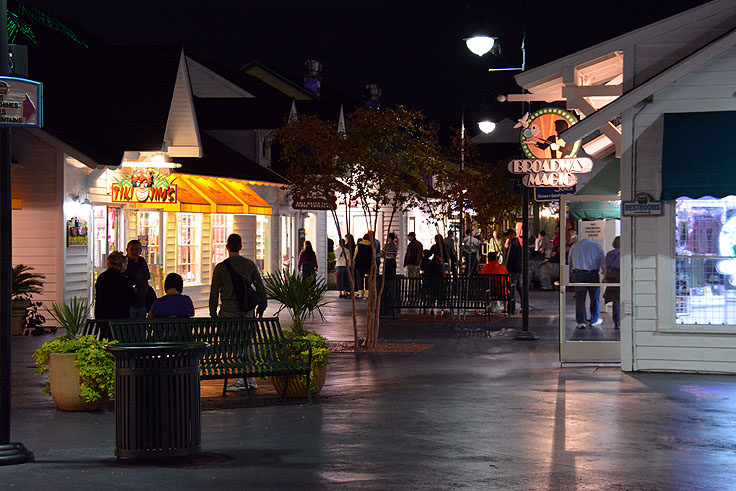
105 233
588 316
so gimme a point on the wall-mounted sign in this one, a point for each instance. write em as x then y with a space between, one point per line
552 194
76 232
313 204
20 102
143 185
552 173
643 205
539 134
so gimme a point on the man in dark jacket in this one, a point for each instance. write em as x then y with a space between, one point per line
138 276
513 264
413 256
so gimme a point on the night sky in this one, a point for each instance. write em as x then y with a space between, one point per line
412 49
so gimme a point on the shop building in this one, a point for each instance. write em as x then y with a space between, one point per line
100 173
663 97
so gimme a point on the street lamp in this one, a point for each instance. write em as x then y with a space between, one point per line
525 334
486 127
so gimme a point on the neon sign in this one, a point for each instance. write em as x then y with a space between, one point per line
143 185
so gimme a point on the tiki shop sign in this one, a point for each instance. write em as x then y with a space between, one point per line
143 185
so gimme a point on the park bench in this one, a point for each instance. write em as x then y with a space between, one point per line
452 293
245 347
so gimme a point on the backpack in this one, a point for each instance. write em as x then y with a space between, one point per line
245 293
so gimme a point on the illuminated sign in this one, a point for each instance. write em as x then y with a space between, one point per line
313 204
143 185
550 172
539 134
20 103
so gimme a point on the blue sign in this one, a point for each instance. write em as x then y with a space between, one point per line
552 194
20 103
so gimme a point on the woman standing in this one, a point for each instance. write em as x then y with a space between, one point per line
307 260
363 259
611 274
113 292
341 269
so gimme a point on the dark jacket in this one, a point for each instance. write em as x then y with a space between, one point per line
363 256
138 276
113 296
413 254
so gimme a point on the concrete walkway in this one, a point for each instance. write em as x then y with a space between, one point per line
477 410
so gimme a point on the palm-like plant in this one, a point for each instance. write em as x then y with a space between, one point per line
26 283
71 315
299 295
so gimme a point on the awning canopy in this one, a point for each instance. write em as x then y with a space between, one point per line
606 183
201 194
699 155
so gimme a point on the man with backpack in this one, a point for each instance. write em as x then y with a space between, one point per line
237 284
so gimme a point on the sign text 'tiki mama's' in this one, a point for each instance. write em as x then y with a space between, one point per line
143 186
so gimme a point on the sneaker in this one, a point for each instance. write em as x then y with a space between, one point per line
596 323
236 386
581 326
252 384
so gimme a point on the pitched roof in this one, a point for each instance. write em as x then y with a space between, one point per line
104 101
218 160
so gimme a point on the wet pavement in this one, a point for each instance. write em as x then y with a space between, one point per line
476 410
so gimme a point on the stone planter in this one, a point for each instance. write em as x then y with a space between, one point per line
297 386
65 384
18 313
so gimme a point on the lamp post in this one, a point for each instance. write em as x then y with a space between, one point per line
486 127
482 46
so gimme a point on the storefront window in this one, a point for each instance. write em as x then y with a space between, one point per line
287 241
222 226
149 233
263 241
705 261
189 226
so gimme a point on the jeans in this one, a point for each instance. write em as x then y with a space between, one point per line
138 312
582 291
516 285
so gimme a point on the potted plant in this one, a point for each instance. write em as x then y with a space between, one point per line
301 297
24 285
81 372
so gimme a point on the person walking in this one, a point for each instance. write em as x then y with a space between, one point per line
586 259
471 246
611 274
137 273
413 256
450 247
234 270
307 263
113 293
513 254
496 245
439 249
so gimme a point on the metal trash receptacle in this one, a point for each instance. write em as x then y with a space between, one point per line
157 406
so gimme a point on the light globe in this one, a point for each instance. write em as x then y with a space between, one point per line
486 126
480 45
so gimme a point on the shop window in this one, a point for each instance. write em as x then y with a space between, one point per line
263 243
189 226
149 233
705 261
222 227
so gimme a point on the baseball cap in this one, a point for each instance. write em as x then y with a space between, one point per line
412 234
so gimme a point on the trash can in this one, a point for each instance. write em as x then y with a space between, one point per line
157 408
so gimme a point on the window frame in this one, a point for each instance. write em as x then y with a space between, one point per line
214 226
196 246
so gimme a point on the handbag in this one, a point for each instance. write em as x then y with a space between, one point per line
245 293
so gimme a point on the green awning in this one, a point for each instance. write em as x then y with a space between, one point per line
699 155
606 183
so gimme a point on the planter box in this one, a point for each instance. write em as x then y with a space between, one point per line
65 384
297 386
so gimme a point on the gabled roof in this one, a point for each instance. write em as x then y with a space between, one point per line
277 81
104 101
217 114
218 160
